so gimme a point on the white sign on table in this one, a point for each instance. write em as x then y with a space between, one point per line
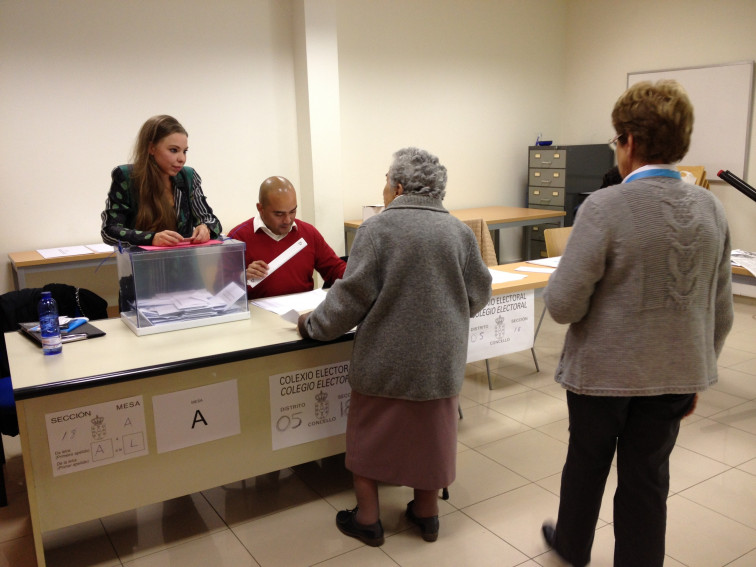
197 415
92 436
309 404
503 326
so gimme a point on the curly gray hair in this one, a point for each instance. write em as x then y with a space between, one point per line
418 172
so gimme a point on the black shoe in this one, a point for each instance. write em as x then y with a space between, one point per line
371 534
549 533
548 530
428 526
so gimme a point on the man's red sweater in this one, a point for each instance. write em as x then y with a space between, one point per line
295 275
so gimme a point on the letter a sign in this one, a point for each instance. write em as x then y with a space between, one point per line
197 415
198 418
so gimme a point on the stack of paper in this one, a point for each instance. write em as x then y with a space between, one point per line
744 259
188 305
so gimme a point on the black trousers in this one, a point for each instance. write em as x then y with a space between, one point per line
643 430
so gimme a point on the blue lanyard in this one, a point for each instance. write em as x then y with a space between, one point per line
654 173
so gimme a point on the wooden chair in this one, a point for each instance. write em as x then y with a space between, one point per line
488 252
556 240
485 242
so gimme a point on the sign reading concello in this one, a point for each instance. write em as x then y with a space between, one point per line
309 404
503 326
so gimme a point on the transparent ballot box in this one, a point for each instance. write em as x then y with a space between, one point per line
183 287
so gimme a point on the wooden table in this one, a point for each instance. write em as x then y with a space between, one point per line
96 272
120 366
743 282
496 218
739 271
532 281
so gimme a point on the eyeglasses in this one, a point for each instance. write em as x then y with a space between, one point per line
614 141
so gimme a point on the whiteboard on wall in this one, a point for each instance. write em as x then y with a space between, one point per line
722 97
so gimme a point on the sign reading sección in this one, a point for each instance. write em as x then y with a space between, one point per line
93 436
309 404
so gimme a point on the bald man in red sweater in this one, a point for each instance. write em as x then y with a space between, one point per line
274 230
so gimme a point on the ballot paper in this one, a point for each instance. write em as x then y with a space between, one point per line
551 262
188 305
100 248
297 302
744 259
497 276
64 251
535 269
280 260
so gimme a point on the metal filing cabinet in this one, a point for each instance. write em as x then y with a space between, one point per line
557 175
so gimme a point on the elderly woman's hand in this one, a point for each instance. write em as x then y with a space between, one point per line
301 326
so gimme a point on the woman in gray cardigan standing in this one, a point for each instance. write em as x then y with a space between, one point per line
645 285
414 278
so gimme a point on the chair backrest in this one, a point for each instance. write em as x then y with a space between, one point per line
556 240
485 243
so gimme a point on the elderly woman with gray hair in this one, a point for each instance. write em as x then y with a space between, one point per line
414 278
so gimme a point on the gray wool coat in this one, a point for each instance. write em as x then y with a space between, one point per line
414 278
645 283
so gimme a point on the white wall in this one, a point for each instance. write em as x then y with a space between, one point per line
78 78
608 39
473 82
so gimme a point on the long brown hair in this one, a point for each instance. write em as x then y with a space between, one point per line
155 208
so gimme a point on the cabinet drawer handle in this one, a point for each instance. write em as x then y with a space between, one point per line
546 162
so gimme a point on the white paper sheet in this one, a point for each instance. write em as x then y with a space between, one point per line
197 415
100 247
552 262
536 270
503 326
96 435
64 251
744 259
280 260
309 404
299 302
498 276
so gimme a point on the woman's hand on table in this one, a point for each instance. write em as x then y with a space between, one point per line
301 327
167 238
200 234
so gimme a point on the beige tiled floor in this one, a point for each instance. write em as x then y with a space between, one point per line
512 445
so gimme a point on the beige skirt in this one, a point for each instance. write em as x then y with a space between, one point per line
403 442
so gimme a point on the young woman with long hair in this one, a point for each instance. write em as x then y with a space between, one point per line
157 200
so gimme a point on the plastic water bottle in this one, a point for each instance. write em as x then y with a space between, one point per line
49 327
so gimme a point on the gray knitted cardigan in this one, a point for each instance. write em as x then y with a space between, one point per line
414 278
645 283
